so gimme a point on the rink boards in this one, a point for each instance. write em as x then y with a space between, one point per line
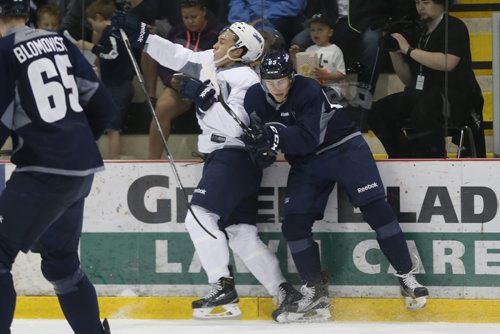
135 245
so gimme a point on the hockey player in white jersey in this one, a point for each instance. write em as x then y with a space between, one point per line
225 200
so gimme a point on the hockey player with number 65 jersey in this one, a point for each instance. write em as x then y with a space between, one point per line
54 108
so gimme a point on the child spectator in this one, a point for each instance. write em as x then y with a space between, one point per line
116 69
49 17
331 67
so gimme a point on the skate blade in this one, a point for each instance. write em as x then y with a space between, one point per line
317 315
415 303
223 312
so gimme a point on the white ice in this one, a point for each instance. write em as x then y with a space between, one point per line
22 326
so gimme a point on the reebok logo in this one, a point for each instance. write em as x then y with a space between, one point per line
205 92
367 187
142 33
200 191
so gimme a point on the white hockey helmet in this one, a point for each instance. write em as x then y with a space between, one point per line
250 38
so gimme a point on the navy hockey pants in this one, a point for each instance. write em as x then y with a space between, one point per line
44 213
311 182
229 186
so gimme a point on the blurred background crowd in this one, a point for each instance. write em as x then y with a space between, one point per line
432 100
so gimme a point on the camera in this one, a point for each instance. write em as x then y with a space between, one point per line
406 27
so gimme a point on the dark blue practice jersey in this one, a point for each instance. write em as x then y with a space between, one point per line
311 123
51 103
114 62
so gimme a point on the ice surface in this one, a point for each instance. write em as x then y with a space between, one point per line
119 326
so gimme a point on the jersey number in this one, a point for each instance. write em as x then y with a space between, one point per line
50 96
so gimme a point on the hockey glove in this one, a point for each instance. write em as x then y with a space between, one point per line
202 93
262 143
137 31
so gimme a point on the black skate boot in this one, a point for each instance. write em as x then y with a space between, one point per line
223 294
415 293
314 305
286 297
105 326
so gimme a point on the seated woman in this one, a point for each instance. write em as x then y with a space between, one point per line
198 32
414 123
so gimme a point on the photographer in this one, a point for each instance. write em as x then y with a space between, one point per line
413 123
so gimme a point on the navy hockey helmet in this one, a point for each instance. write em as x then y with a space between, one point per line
14 7
276 65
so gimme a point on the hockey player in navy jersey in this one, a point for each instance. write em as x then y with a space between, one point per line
225 200
324 147
54 108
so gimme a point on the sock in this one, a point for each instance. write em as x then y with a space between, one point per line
81 308
308 264
396 251
7 302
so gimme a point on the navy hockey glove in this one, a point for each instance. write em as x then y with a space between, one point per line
137 31
263 142
202 93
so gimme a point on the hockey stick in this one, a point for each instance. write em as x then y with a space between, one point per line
158 125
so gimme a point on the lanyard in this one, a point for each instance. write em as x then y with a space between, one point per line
188 38
422 45
188 41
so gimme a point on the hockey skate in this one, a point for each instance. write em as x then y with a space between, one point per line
220 303
286 297
415 293
314 306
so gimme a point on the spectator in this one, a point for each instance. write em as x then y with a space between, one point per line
422 67
279 14
73 19
35 5
331 67
358 29
198 32
115 68
48 17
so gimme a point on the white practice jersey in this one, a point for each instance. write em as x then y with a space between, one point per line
219 129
